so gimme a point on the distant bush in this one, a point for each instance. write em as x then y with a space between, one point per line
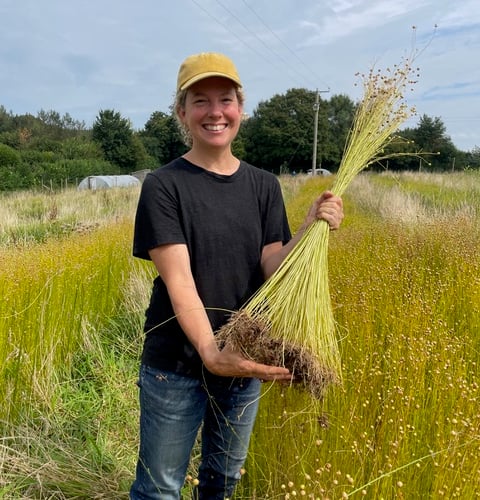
9 158
29 169
13 174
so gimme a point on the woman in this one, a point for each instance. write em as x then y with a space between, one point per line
215 227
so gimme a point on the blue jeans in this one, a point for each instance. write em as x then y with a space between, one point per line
172 409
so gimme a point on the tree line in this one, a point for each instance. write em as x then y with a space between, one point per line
50 149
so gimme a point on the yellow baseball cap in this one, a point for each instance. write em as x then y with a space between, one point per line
204 65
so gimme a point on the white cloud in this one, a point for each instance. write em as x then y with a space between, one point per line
348 19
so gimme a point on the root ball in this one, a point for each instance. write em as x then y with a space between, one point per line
252 338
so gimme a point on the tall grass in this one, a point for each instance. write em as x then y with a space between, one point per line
50 291
30 217
418 196
70 345
406 296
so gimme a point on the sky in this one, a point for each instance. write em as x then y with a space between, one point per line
86 56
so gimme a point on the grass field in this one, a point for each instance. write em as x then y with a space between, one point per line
405 284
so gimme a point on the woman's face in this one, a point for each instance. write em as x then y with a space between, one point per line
212 112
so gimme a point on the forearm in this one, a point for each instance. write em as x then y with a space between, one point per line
193 319
173 265
272 261
327 207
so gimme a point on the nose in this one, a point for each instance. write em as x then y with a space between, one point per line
215 108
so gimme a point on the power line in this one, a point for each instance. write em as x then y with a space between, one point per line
250 47
254 34
227 28
299 59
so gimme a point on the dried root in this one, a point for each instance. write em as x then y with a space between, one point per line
251 337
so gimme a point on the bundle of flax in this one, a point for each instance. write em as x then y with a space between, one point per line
289 321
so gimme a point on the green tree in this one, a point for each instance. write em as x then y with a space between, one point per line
434 147
238 145
430 137
57 127
27 126
340 111
279 135
116 138
161 138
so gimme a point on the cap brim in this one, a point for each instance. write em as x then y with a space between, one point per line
209 74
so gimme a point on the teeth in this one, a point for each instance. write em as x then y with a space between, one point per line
215 128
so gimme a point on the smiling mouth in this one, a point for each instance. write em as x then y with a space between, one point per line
215 128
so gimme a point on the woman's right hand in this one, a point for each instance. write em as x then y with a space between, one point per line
230 363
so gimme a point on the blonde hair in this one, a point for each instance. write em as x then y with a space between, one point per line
179 104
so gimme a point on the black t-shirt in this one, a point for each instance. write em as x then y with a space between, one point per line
225 221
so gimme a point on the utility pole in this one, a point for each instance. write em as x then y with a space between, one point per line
316 107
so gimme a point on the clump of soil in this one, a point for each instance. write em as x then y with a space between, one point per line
251 337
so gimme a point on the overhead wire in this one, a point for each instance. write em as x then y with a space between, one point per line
209 14
289 49
255 35
300 77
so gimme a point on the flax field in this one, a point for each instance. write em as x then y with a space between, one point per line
404 273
